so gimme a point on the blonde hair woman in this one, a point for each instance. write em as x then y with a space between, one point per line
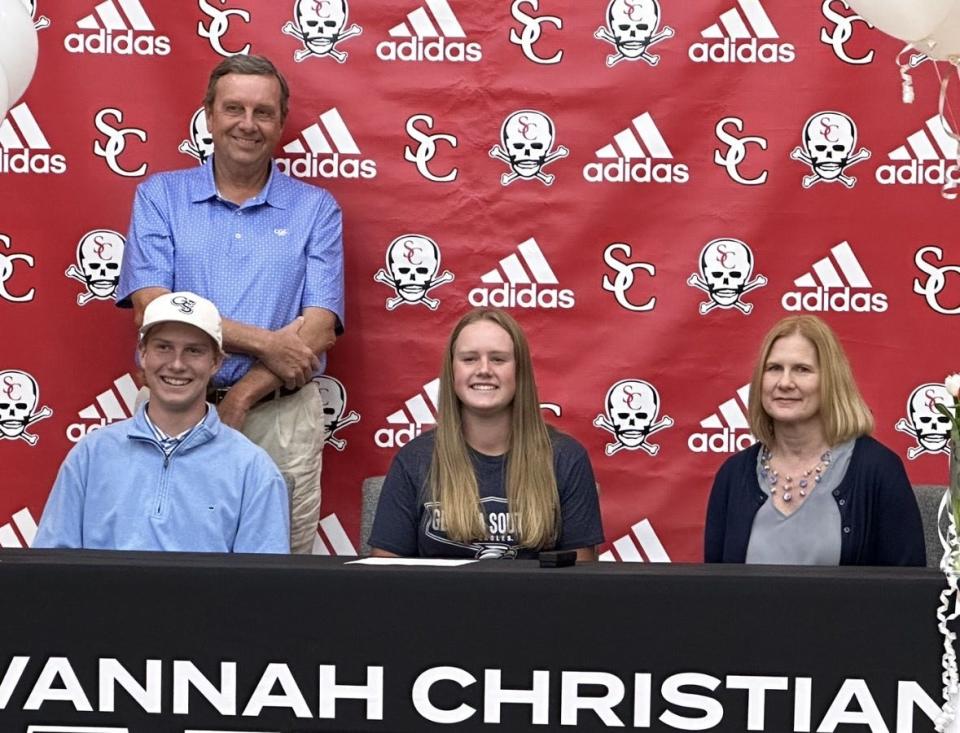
816 489
492 480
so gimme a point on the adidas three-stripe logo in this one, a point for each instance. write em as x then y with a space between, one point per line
640 545
929 143
340 140
830 277
108 406
107 15
20 130
515 272
734 25
422 26
837 283
929 156
654 146
731 413
25 524
418 410
522 280
727 430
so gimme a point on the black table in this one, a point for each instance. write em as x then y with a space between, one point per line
94 642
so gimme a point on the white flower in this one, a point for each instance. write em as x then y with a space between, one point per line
952 383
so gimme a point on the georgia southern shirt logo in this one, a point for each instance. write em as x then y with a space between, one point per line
7 269
19 397
413 264
528 37
320 26
427 148
99 253
115 143
219 26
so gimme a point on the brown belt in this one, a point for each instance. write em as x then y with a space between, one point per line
216 395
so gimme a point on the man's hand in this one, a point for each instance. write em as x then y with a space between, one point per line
233 409
288 357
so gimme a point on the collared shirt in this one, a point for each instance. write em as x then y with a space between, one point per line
169 443
261 263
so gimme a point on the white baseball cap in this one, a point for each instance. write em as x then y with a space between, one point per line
184 307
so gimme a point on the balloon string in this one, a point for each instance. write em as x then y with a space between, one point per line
948 190
906 79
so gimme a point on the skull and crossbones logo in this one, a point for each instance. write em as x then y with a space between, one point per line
632 29
99 254
725 269
413 262
929 426
200 144
527 138
632 409
19 395
319 25
334 397
829 139
38 23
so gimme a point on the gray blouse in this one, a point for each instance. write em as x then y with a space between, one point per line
811 534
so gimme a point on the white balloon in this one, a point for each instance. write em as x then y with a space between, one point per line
4 96
908 20
18 47
944 42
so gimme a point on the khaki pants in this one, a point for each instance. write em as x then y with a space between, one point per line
290 429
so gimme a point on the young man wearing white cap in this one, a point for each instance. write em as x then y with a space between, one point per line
173 477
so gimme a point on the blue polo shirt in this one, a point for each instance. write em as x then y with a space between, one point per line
261 263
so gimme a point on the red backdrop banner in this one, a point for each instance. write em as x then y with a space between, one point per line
647 187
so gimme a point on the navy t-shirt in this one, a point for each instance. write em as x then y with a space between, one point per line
409 524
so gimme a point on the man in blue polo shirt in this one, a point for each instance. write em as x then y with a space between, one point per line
172 477
267 250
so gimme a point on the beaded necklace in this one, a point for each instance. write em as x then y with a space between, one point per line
772 476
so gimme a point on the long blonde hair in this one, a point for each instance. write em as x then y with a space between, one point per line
843 412
531 486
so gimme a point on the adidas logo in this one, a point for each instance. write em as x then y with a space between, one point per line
728 431
332 539
641 142
320 147
419 410
19 131
929 156
830 289
530 287
117 27
116 403
641 545
428 38
25 524
731 40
